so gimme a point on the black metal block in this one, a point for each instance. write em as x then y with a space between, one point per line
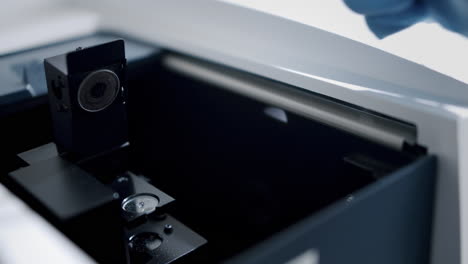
87 99
162 241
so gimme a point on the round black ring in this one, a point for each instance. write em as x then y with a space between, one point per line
112 83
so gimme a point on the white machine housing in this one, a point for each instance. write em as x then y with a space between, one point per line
315 60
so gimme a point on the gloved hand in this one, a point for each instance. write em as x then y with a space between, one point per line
385 17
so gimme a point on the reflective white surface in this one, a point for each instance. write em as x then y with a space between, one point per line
26 238
30 23
425 43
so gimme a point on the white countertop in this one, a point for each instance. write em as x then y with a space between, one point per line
28 238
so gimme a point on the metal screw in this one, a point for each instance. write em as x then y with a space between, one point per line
168 229
122 179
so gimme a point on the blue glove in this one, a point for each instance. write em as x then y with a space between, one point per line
385 17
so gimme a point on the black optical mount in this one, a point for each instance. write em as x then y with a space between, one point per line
79 184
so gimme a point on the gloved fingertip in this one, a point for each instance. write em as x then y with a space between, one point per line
378 7
385 25
382 31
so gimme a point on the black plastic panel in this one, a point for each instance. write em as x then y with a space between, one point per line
387 222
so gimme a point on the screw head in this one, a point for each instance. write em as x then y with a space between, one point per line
122 179
168 228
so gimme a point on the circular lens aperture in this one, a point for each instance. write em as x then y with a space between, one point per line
98 90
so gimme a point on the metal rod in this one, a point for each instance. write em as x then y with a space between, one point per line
362 123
